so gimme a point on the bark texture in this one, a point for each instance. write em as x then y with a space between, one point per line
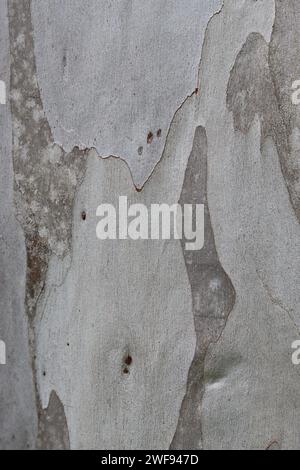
129 344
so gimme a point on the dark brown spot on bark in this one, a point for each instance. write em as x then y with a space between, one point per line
150 138
128 360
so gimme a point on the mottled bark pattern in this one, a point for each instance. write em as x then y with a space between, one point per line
213 296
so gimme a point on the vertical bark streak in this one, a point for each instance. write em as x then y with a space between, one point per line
213 297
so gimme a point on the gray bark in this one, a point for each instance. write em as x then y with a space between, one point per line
129 344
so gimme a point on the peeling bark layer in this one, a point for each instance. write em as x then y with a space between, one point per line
130 81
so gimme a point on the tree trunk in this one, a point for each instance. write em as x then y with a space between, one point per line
145 344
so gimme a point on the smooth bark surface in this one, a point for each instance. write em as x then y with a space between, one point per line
124 344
